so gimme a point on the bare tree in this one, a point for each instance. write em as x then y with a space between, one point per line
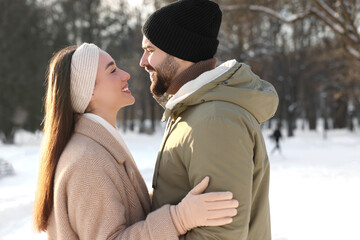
340 16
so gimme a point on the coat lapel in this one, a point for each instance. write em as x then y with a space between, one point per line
93 130
139 186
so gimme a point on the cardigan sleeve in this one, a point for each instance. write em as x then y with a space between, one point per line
96 209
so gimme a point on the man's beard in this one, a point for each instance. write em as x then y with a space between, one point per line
163 75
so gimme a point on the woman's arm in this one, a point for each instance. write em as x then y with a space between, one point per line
96 209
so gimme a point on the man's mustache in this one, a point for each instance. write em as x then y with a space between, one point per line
149 68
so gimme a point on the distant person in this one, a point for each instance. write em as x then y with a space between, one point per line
276 136
6 169
89 186
214 116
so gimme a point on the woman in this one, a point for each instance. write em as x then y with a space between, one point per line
89 186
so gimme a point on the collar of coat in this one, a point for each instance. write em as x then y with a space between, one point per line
190 74
174 106
99 134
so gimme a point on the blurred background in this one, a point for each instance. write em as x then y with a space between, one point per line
308 49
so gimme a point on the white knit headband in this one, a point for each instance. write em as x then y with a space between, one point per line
84 65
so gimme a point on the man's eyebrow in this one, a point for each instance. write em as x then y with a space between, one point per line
147 47
109 64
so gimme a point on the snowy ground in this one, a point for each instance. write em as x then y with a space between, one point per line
314 194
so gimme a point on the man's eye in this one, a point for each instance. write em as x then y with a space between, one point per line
114 70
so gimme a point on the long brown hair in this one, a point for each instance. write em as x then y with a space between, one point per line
58 123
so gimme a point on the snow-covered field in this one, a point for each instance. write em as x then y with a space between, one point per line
315 184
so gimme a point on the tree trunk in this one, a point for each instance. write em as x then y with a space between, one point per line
311 115
291 124
340 113
125 119
142 128
152 115
132 118
9 136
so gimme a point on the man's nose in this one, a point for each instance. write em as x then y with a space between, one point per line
143 61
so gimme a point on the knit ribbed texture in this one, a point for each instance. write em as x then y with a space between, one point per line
84 65
186 29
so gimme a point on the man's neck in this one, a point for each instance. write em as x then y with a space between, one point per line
191 73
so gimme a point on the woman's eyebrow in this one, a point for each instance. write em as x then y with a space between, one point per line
109 64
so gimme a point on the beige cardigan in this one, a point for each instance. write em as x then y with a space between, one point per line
100 194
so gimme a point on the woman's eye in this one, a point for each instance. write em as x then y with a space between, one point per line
114 70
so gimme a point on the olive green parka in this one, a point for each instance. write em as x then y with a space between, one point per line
214 130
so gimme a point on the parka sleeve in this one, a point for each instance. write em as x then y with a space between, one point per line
96 210
222 148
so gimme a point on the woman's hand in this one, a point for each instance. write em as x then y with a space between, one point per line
208 209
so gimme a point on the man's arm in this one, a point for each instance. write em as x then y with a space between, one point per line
223 149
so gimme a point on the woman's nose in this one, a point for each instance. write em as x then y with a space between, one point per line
125 76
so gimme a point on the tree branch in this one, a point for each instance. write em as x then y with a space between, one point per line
320 4
350 21
323 12
291 19
258 8
349 38
353 52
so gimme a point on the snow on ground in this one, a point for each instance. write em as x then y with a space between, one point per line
314 191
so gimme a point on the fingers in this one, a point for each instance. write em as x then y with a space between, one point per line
222 213
201 186
227 204
217 196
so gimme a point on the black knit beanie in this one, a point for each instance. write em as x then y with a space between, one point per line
186 29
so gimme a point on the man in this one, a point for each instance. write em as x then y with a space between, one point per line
276 137
214 115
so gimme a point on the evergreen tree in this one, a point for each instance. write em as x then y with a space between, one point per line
24 53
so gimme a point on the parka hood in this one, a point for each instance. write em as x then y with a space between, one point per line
231 82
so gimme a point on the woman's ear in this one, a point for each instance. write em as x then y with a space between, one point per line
93 93
91 103
92 96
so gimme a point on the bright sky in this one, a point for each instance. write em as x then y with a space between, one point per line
134 2
131 2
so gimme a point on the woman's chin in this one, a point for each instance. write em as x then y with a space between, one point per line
130 102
